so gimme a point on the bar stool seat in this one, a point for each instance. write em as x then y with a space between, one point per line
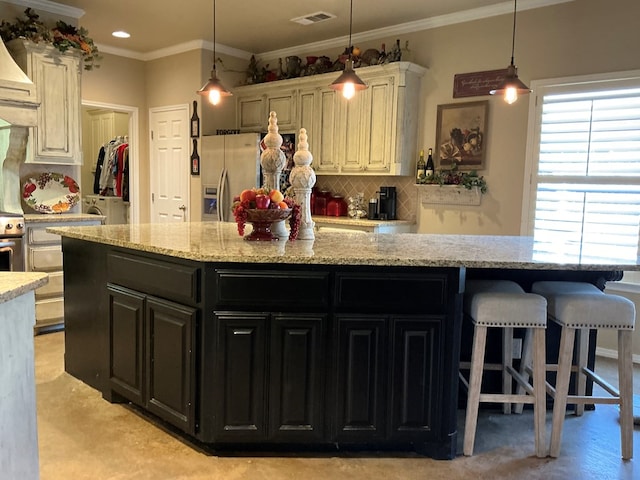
580 307
504 304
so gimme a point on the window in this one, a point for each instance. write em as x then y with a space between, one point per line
583 159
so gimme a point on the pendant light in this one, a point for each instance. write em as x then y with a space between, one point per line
214 89
512 86
348 83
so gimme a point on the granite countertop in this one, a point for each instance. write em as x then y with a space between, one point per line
357 222
14 284
220 242
61 218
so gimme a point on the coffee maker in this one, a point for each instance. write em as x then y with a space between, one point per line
387 203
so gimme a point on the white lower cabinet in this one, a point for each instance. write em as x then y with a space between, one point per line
44 254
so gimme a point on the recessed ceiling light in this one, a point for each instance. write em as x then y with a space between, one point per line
121 34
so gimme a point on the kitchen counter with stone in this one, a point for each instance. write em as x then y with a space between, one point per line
61 218
18 428
220 242
14 284
349 339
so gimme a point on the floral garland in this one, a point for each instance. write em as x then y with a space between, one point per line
63 36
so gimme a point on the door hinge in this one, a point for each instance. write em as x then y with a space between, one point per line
153 197
151 134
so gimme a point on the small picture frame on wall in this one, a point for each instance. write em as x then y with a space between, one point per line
195 159
461 132
195 121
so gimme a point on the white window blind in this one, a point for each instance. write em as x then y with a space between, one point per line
587 200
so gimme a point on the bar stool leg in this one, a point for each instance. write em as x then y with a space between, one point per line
507 360
625 377
563 377
475 381
581 379
525 362
540 406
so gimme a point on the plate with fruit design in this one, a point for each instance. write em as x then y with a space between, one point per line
51 193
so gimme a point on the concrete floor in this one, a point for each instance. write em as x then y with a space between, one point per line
81 436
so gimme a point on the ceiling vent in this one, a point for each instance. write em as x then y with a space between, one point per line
313 18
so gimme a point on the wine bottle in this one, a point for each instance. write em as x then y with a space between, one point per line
430 168
420 167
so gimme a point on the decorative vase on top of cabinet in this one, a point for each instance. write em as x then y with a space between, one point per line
57 77
374 133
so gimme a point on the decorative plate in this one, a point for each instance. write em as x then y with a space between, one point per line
51 193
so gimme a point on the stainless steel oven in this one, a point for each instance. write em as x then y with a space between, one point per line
11 242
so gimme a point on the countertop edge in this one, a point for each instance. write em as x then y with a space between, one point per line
14 284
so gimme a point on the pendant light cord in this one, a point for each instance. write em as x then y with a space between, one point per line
350 25
214 34
513 37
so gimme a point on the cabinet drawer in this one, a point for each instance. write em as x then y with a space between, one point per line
43 259
391 292
273 289
47 310
172 281
40 235
54 287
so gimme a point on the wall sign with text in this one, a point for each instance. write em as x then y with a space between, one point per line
477 83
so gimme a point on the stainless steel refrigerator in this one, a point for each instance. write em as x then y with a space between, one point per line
228 165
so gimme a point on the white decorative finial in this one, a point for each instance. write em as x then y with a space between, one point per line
303 156
273 160
303 178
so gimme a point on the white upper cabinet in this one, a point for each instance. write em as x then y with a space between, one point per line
56 138
374 133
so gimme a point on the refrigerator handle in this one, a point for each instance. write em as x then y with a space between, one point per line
221 194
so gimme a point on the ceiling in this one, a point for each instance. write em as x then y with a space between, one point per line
258 26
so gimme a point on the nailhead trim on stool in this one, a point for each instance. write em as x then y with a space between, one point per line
503 304
578 306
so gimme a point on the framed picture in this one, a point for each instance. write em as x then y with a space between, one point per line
195 121
461 131
195 159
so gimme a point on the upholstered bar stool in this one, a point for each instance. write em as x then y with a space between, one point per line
503 304
580 307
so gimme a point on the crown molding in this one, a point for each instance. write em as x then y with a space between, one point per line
416 26
403 28
51 7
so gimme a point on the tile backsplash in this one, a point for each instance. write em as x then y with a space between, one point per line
350 185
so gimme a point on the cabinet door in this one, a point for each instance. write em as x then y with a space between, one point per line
252 115
415 377
126 345
296 379
284 104
170 362
350 132
377 122
57 136
325 141
240 377
361 378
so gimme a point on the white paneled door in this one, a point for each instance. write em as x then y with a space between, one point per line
169 165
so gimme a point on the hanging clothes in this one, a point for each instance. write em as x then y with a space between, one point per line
109 171
96 175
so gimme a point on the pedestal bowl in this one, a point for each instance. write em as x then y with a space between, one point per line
261 219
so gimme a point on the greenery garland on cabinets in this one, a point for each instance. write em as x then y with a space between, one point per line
62 36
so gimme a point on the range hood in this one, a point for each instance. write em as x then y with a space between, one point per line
18 95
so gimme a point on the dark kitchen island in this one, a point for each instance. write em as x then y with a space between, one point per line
351 340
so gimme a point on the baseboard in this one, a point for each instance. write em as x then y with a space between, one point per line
608 353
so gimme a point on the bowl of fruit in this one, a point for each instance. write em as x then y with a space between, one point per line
261 208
